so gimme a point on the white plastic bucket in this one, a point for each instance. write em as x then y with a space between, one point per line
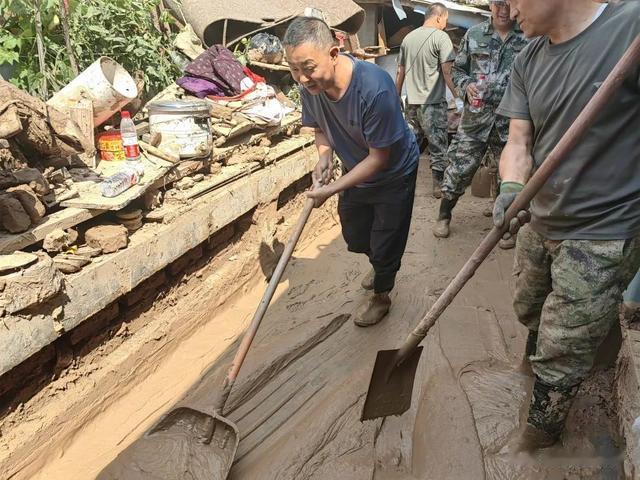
105 82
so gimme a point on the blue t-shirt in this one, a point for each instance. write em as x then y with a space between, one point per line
367 115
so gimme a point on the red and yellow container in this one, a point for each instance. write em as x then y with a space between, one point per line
110 146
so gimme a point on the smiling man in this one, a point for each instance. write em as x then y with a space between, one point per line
356 113
583 244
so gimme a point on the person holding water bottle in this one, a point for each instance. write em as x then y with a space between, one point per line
481 74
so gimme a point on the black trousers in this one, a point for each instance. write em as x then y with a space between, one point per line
375 221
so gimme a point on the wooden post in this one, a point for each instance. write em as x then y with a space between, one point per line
224 33
44 91
64 19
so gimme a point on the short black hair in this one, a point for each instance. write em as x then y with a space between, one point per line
435 10
308 30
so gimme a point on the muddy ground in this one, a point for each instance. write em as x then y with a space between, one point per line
299 396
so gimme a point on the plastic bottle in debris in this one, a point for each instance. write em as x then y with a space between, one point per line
123 179
478 101
129 137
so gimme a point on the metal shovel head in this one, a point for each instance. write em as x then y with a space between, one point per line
185 444
391 385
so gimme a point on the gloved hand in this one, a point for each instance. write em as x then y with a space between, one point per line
508 193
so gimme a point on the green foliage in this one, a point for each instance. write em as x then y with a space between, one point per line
120 29
240 51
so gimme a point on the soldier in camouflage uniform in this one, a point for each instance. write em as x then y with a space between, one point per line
582 247
488 48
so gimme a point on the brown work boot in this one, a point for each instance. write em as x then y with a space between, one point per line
441 229
367 281
437 177
372 310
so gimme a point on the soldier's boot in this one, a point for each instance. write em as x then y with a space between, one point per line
529 349
367 281
441 228
372 310
437 177
548 412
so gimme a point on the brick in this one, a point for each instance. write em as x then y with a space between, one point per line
185 261
29 201
149 287
13 217
99 322
110 238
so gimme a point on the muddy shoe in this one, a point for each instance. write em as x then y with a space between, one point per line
441 229
367 281
507 244
529 440
372 310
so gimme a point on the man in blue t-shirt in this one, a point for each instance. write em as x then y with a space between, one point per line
356 113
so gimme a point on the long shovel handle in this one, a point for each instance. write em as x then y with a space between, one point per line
264 304
627 63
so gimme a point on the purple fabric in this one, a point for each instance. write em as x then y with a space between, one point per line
218 65
200 87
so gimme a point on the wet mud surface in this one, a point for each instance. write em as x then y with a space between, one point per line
299 396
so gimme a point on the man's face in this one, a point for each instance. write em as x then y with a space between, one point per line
312 67
500 14
533 15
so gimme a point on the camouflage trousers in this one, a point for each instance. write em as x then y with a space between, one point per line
569 292
431 122
465 156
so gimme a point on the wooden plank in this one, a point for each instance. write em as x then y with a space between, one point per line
226 151
232 173
271 66
90 196
67 218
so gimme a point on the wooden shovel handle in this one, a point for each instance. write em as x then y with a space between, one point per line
264 304
627 63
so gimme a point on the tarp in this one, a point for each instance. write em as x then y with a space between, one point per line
247 16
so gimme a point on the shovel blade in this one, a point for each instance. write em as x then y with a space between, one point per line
391 385
185 443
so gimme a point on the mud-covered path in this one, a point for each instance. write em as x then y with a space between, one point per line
299 396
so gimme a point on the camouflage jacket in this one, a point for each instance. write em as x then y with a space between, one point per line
483 51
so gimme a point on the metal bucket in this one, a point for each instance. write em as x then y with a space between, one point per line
184 126
105 82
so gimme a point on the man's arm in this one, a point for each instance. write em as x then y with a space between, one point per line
400 79
516 161
323 170
375 162
460 71
446 71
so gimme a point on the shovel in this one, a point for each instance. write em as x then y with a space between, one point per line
187 443
391 385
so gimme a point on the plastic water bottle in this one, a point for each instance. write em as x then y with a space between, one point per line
120 181
129 137
478 101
